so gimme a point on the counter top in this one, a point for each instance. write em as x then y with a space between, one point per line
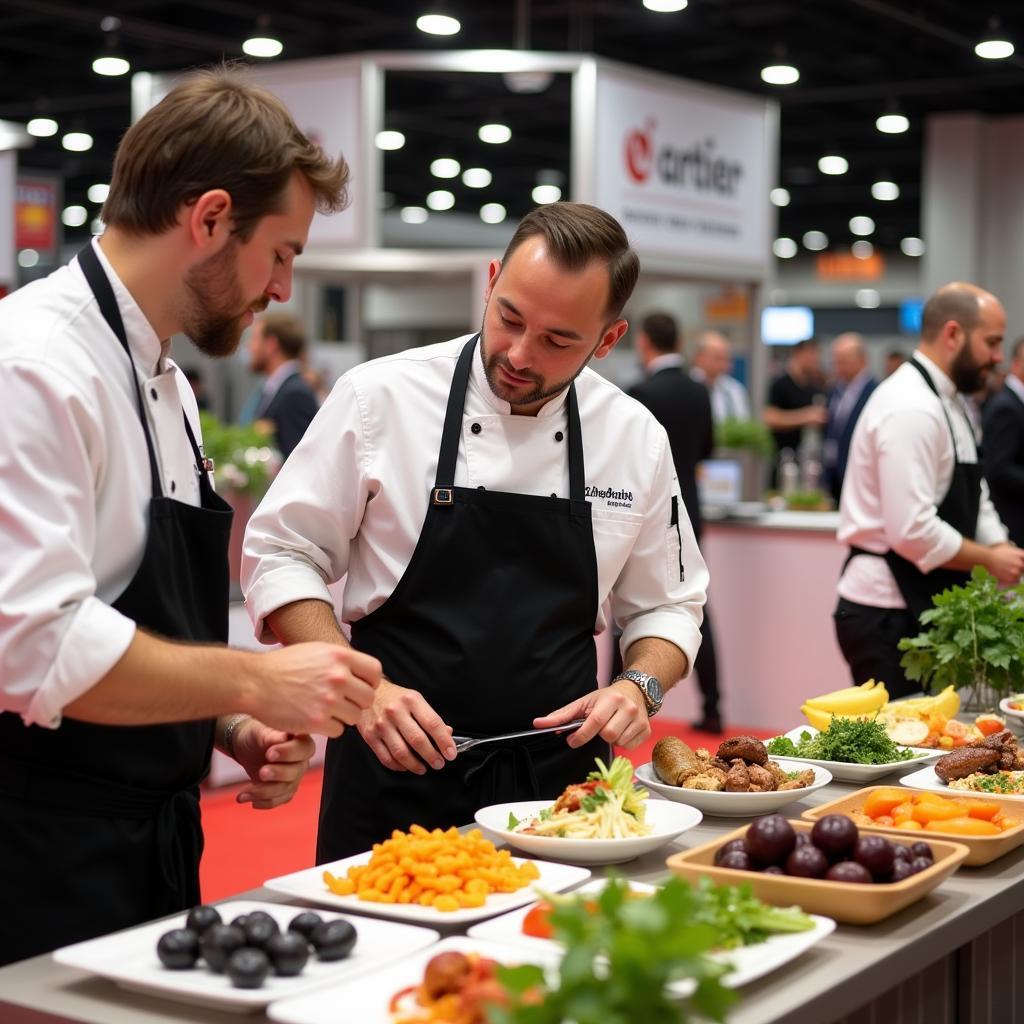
809 522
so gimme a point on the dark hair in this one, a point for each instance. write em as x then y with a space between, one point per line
216 130
288 330
805 344
951 302
578 234
662 331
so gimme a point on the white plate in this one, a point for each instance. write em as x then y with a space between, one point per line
309 885
927 779
723 804
129 959
749 962
667 821
1004 706
367 999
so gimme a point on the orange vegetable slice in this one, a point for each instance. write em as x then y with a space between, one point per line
928 811
883 800
981 809
963 827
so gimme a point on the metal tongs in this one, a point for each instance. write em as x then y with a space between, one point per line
465 742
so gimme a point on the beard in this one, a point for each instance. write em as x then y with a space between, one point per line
968 375
215 306
541 389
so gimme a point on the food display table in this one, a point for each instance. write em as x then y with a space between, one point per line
952 957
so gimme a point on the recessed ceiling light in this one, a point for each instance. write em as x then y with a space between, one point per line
98 193
862 249
494 133
389 140
445 167
262 46
27 258
111 67
892 124
476 177
414 215
862 225
868 298
492 213
780 74
438 24
815 241
544 194
784 248
665 6
440 199
77 142
74 216
779 196
886 191
97 227
833 164
42 127
912 246
994 49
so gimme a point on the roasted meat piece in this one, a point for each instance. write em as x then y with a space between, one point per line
802 781
762 780
1011 758
712 780
966 761
749 748
674 761
738 779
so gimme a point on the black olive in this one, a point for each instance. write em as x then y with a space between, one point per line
178 949
219 942
262 915
240 921
200 918
247 968
305 922
259 930
288 952
333 940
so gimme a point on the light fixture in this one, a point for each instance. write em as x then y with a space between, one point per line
445 167
97 227
74 216
476 177
779 196
111 63
492 213
77 142
886 191
862 225
784 248
438 24
911 246
42 127
263 47
494 133
389 140
440 199
892 124
815 240
780 74
833 164
28 258
98 193
868 298
666 6
111 66
544 194
994 49
862 249
414 215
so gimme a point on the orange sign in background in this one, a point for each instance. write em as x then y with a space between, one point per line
843 266
35 215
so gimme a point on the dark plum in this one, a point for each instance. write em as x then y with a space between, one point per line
921 864
240 921
730 847
834 835
772 869
247 967
219 941
901 852
288 952
807 862
848 871
901 869
770 840
737 859
304 923
200 918
920 849
259 931
876 854
178 949
804 839
333 940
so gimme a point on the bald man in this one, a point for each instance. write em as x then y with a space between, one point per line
712 366
915 510
851 390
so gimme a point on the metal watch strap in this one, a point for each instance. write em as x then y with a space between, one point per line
639 680
228 739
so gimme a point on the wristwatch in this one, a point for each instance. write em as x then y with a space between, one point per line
648 685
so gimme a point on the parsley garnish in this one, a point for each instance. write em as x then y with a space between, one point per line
850 740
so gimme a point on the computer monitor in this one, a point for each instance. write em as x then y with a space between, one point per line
910 315
786 325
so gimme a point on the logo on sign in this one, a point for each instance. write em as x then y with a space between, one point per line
694 165
640 152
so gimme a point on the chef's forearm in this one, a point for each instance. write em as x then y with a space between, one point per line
658 658
306 620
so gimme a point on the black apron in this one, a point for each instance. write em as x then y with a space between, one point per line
959 508
493 623
101 825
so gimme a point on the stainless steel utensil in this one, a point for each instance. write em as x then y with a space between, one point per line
465 742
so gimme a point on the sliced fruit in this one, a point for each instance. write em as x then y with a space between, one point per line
908 732
989 724
882 801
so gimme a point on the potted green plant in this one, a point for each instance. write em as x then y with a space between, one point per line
751 443
973 638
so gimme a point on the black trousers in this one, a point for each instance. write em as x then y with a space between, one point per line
868 638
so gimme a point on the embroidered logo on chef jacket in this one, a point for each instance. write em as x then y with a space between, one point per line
614 497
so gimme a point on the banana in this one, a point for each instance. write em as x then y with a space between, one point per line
946 703
819 719
854 700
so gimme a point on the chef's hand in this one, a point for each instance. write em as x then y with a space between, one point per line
274 761
313 688
616 713
400 724
1006 563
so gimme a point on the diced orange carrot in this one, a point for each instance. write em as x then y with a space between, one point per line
963 827
929 811
981 809
883 800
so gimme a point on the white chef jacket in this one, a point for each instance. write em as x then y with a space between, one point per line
729 399
899 471
353 495
76 483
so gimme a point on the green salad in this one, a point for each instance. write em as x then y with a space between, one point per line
850 740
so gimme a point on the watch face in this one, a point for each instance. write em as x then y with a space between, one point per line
654 690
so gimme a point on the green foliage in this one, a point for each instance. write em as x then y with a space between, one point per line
619 778
751 435
807 500
244 458
850 740
973 637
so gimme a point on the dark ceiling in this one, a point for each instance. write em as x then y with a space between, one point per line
857 59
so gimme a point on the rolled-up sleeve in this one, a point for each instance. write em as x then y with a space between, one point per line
990 529
57 639
662 587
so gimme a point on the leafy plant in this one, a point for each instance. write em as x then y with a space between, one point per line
850 740
807 500
243 457
751 435
973 638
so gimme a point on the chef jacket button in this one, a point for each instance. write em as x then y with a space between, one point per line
554 495
476 428
174 487
152 393
559 435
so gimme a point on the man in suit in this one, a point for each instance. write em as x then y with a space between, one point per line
683 408
287 402
1003 444
712 367
853 385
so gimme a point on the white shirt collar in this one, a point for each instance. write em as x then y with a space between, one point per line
478 380
668 361
942 381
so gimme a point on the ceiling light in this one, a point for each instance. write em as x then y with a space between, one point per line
665 6
438 24
494 133
492 213
868 298
833 164
98 193
885 191
97 227
994 49
544 194
441 199
862 225
414 215
42 127
77 142
476 177
892 124
784 248
74 216
862 249
912 246
445 167
815 241
780 74
262 46
389 140
779 196
111 67
28 258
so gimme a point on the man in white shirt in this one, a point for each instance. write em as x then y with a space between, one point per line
485 496
712 366
915 509
113 545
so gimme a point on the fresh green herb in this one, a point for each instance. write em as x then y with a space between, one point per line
513 821
619 779
850 740
782 746
545 813
741 919
594 800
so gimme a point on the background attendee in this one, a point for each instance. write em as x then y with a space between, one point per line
194 376
894 359
1003 447
277 344
682 407
712 366
796 398
851 390
915 510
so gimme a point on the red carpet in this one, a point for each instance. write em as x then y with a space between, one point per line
245 847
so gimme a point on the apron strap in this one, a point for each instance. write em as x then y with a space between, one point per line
104 293
935 391
575 431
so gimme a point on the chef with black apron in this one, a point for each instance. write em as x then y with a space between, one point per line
484 498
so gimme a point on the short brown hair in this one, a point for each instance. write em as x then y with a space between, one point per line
577 234
289 332
216 130
662 331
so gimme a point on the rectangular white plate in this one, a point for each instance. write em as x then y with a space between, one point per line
927 779
366 1000
844 772
309 885
749 962
129 959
